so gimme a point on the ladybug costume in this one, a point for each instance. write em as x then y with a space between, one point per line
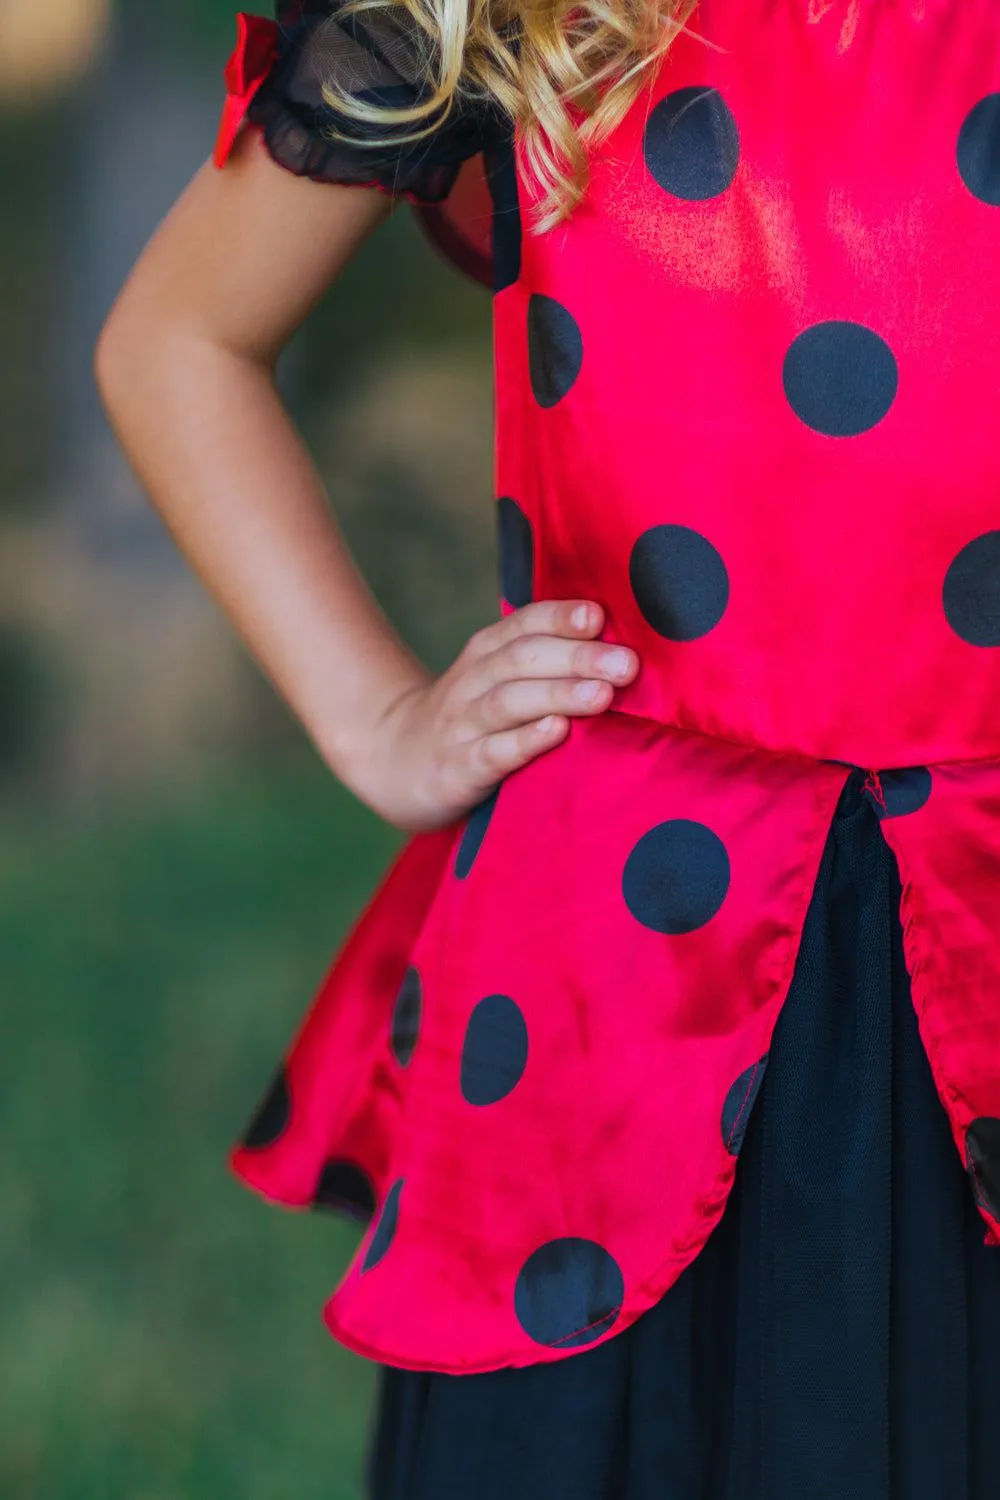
669 1082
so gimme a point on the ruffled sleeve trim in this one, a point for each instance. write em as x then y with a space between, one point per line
275 80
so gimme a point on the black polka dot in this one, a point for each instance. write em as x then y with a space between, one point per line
385 1229
555 349
406 1017
346 1188
475 832
691 144
501 175
272 1116
495 1050
568 1293
679 581
840 378
676 877
982 1159
971 593
517 553
903 791
738 1104
979 150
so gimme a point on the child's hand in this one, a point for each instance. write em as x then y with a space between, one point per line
442 745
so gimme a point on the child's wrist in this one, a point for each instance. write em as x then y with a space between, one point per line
351 747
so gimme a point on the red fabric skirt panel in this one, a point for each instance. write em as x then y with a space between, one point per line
608 960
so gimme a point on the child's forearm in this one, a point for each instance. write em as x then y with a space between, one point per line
218 455
185 364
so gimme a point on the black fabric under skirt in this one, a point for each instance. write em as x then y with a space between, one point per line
838 1335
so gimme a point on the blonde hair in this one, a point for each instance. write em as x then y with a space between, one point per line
564 71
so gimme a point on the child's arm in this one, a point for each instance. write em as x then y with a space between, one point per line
185 367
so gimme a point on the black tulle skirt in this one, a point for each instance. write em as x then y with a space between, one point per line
836 1338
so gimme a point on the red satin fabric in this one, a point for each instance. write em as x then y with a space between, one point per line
461 226
256 44
830 638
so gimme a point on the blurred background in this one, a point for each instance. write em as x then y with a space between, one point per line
176 868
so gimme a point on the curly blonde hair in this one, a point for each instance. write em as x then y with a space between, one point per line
564 71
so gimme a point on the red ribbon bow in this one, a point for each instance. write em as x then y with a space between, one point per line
250 63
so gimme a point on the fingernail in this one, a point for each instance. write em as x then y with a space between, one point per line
587 692
618 663
581 617
544 725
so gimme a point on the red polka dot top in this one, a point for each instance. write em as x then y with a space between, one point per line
748 398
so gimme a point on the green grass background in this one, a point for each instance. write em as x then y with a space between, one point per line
162 1324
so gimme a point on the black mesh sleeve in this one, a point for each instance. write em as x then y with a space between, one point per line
377 56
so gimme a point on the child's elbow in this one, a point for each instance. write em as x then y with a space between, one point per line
134 346
114 355
104 359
